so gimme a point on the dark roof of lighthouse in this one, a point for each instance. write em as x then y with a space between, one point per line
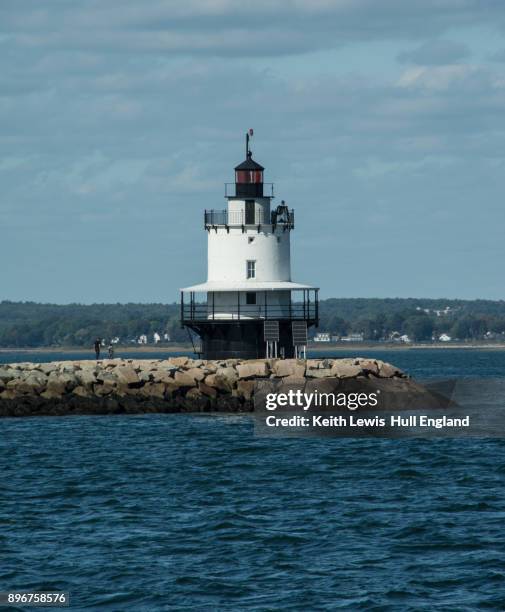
249 164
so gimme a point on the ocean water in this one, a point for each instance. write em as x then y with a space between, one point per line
182 512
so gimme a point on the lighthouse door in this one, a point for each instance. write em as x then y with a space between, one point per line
249 212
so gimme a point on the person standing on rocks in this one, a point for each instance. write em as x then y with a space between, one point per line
111 351
97 348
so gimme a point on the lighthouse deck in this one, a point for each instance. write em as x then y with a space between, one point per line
304 307
244 218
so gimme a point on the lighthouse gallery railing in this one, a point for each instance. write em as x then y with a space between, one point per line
306 309
213 218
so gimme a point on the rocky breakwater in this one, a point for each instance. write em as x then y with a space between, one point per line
178 384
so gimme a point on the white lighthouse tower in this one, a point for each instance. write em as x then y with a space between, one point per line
249 307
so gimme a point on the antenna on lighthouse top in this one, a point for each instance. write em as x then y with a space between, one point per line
249 133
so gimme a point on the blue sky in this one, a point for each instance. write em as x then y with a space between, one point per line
381 123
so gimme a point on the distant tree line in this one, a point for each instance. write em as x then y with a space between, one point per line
29 324
420 319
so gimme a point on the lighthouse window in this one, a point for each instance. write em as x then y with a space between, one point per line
250 239
250 298
251 269
249 176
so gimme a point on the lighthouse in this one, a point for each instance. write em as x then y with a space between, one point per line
249 307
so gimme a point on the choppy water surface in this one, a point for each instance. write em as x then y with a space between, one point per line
181 512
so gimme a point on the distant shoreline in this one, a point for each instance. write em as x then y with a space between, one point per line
404 347
176 348
317 347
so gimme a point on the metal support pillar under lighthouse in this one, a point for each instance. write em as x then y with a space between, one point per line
249 307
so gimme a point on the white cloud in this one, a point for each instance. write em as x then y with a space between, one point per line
438 78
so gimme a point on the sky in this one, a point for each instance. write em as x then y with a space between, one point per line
381 123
